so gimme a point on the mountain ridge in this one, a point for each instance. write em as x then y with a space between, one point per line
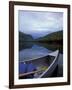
55 36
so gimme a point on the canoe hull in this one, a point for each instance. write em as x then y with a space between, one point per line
50 64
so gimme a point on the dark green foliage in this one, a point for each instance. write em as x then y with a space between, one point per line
24 37
23 40
56 36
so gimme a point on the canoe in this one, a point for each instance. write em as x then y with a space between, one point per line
41 67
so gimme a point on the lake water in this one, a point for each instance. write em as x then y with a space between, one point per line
32 53
36 51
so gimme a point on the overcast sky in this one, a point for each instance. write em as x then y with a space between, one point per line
39 24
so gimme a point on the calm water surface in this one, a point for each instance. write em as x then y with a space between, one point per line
32 53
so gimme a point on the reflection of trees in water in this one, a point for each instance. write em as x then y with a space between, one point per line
25 45
50 46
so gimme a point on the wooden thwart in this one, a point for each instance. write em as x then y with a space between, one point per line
24 74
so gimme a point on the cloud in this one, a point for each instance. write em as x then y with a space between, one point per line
33 22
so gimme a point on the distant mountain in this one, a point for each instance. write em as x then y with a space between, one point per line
55 36
24 37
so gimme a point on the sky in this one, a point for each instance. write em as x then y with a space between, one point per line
39 23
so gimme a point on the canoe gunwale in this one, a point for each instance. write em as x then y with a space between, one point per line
51 64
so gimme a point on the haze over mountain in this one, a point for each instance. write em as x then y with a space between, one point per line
55 36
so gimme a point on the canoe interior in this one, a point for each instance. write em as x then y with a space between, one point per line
41 65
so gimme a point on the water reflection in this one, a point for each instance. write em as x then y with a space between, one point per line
34 52
31 50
